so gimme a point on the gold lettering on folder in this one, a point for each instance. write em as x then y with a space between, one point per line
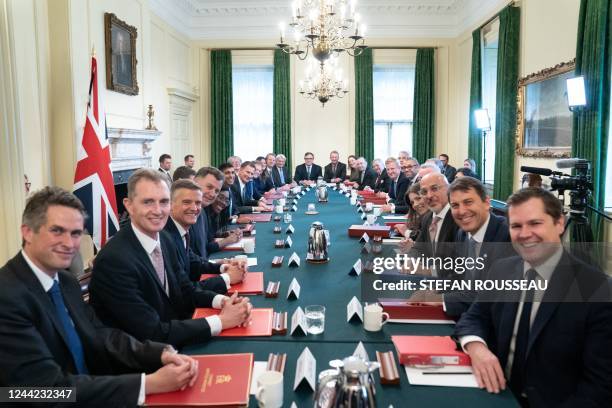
207 381
223 378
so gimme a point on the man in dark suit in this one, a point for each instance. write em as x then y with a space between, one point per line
269 166
335 171
382 179
138 283
261 183
280 174
551 344
165 164
228 179
307 173
410 168
366 177
482 235
49 337
243 189
448 170
186 204
398 185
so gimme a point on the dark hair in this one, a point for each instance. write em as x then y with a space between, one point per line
247 163
467 172
224 166
144 174
35 212
183 172
259 158
308 153
444 155
164 157
468 183
552 205
184 184
205 171
189 156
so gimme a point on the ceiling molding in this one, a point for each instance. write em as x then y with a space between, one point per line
250 19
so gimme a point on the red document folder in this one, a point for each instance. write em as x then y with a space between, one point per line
261 323
413 310
429 350
375 200
251 285
357 231
223 380
273 195
246 218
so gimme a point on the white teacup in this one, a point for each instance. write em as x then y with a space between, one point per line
270 389
311 207
371 218
249 246
374 317
278 209
369 206
377 211
282 201
353 200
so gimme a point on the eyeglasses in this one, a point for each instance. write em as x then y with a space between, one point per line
434 189
308 158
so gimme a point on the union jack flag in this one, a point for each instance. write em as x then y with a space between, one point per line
93 178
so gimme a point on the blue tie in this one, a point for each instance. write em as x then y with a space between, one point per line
74 342
282 176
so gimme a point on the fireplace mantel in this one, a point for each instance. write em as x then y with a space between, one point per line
130 148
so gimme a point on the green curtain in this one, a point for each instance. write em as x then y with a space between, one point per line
282 105
505 115
590 127
424 115
475 134
221 110
364 106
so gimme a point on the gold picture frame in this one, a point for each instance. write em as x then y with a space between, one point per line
543 115
120 47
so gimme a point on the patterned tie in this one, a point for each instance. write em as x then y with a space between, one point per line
158 264
433 228
334 170
74 342
517 376
187 242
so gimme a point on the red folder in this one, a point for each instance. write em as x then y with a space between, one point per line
413 310
223 380
236 246
357 231
394 223
375 200
273 195
247 218
247 229
429 350
251 285
367 193
261 323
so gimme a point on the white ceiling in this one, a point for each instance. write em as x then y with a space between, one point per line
259 19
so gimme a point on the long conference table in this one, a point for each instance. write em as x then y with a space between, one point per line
330 285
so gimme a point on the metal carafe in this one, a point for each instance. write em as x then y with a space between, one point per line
321 181
350 387
322 193
317 243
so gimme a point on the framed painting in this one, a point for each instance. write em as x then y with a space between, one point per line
120 45
544 121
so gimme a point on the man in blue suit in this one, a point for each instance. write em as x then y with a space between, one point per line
481 235
242 190
552 345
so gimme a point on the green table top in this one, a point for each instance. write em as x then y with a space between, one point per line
330 285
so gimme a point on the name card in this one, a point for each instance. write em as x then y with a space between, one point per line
294 290
298 323
361 352
305 370
360 209
347 195
364 216
288 242
366 249
364 238
354 309
356 269
290 229
294 260
294 208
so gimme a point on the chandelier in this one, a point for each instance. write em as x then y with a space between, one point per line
325 26
323 86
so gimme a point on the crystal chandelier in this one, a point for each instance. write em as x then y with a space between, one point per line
325 26
323 85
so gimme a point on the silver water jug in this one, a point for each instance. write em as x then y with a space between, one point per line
321 181
322 195
317 243
349 386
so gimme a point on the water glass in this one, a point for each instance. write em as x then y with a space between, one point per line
315 319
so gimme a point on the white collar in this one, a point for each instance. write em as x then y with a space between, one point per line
179 227
442 214
241 183
479 235
146 241
45 280
545 271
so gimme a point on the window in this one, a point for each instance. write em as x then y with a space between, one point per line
252 89
490 35
393 98
608 201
